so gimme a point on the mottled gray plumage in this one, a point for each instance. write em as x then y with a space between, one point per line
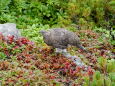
10 29
61 38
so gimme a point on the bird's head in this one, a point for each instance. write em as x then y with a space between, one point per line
42 32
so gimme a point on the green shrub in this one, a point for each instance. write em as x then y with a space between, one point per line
85 13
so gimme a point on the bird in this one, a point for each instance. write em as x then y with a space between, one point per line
9 29
60 38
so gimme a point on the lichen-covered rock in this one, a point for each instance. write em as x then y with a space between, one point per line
10 29
61 38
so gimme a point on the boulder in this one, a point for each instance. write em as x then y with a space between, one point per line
9 29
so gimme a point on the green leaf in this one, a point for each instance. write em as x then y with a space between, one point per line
107 81
97 75
2 55
111 66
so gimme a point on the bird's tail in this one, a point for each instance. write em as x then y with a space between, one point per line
82 48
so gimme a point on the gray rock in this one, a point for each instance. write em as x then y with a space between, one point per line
75 59
10 29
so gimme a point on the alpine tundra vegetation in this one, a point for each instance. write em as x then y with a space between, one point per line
26 58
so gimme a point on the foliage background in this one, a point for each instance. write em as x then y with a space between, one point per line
86 14
85 17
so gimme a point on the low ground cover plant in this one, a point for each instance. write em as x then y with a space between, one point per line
24 62
28 61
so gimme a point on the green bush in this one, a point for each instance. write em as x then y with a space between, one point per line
49 11
85 13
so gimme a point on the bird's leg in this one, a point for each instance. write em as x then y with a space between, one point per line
58 50
66 54
63 51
